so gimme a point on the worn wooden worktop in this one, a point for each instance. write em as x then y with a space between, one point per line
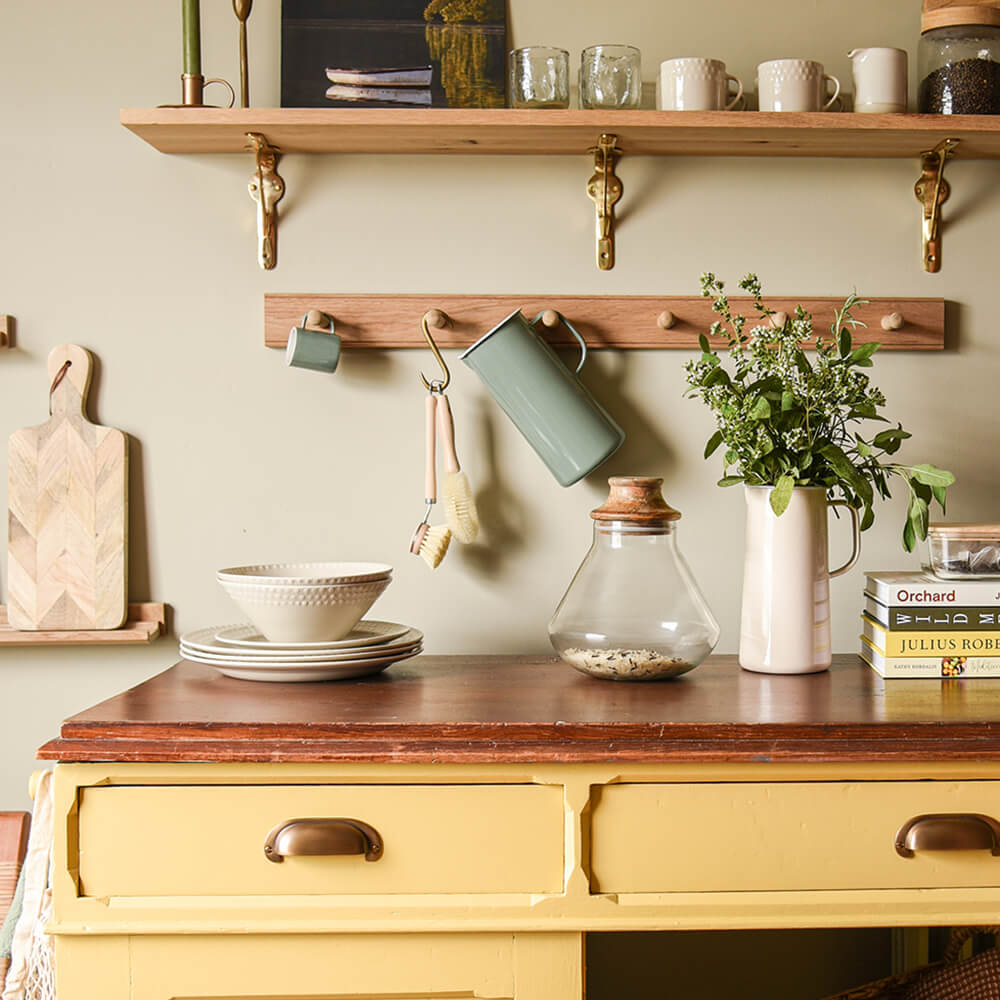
535 708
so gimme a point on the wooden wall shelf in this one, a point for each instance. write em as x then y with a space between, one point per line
622 322
929 139
506 131
145 623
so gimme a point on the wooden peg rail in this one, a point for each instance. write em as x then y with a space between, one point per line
642 322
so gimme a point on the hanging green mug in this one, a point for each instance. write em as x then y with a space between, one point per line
571 432
318 350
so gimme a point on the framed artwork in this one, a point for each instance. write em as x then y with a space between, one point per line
393 53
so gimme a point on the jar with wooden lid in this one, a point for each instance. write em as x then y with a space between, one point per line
959 57
633 611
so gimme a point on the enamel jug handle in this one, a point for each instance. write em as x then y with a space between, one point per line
569 326
855 540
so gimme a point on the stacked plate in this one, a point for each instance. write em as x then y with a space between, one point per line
241 651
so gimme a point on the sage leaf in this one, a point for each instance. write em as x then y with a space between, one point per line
713 442
932 476
781 495
909 539
940 495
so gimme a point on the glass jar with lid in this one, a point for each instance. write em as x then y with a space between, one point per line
634 611
959 58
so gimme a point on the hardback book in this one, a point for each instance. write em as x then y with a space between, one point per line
930 667
928 591
916 617
944 643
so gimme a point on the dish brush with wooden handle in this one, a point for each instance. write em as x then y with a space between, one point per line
430 543
459 503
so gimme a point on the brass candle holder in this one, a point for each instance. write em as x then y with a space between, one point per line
193 92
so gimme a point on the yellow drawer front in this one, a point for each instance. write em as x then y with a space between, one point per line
209 840
794 836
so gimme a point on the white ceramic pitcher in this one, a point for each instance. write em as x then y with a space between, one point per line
785 626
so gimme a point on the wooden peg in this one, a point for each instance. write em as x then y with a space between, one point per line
436 319
666 320
779 319
316 318
893 321
6 331
550 318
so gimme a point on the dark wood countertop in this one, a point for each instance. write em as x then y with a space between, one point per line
479 709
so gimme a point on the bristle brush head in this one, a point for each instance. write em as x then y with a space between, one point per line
460 507
434 545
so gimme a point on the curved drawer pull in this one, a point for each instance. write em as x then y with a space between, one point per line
948 832
322 837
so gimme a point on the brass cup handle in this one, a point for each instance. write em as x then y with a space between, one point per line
948 832
322 838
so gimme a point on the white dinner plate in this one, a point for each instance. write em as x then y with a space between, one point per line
365 633
306 663
296 673
203 640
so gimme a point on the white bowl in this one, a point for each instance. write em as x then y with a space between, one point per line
305 574
293 612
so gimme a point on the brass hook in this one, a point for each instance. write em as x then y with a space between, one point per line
440 321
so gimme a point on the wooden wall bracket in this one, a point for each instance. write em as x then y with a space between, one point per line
608 321
266 189
932 192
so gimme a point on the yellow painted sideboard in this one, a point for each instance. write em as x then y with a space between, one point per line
511 807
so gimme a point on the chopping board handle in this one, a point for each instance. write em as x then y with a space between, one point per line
68 395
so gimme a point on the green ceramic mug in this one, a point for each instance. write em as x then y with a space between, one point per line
318 350
571 432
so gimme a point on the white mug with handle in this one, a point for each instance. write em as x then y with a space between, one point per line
795 85
696 85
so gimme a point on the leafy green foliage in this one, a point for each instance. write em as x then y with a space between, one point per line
787 421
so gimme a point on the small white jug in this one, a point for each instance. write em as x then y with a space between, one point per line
879 80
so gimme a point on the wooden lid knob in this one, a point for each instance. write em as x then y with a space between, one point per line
637 500
893 321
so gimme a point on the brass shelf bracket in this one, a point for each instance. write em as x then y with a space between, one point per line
266 189
604 189
932 192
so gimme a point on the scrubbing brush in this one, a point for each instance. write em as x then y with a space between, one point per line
459 503
431 543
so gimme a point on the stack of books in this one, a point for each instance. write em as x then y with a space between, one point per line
918 625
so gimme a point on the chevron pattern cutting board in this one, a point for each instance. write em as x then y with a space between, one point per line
67 511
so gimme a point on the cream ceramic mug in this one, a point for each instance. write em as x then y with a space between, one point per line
879 80
696 85
794 85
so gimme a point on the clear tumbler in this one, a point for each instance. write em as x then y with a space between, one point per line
611 77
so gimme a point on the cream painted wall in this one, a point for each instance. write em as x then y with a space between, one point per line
149 261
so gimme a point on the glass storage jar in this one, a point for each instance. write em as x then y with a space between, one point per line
959 58
633 611
964 551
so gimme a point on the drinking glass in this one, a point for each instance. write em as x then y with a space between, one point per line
539 77
610 77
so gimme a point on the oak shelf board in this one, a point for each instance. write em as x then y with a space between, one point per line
145 623
537 132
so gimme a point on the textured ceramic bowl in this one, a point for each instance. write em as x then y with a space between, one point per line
295 612
314 574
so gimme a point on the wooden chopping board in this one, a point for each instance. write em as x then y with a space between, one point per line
67 511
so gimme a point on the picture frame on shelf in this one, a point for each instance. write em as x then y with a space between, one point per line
393 53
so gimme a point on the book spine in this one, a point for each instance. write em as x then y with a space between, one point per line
912 618
911 667
978 644
934 594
